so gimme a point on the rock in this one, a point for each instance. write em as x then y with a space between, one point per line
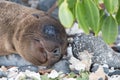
69 79
114 77
45 4
22 2
28 67
76 64
28 75
53 74
62 66
12 73
96 66
69 51
2 74
118 37
74 30
102 53
81 64
116 48
106 68
33 3
116 72
3 78
98 75
13 60
16 60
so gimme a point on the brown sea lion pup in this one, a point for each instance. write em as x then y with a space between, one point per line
31 33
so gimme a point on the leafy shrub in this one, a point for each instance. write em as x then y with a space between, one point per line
92 15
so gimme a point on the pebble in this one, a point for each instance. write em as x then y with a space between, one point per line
69 79
62 66
98 75
28 75
53 74
28 67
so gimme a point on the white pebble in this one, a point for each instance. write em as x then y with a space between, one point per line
69 79
76 64
20 76
32 75
53 74
12 72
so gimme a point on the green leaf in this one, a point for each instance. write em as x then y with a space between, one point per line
109 29
83 76
44 77
71 75
96 2
59 2
118 15
65 15
71 5
93 15
81 17
119 2
111 5
87 15
102 17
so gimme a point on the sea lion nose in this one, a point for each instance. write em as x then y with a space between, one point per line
57 52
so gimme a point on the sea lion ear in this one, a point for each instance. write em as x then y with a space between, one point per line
36 15
50 30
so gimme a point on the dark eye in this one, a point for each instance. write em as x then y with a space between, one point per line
57 52
37 40
50 30
36 15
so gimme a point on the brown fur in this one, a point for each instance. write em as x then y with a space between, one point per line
22 32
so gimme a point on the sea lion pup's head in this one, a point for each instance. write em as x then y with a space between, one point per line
40 39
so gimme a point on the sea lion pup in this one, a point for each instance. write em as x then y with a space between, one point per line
31 33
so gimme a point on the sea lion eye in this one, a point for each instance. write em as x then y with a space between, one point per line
36 15
37 40
57 51
50 30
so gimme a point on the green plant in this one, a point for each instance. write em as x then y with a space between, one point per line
92 15
83 75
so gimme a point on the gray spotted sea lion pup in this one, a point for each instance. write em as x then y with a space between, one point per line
31 33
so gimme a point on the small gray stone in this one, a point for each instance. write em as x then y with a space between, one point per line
29 67
106 70
116 72
100 79
63 66
94 67
3 74
45 4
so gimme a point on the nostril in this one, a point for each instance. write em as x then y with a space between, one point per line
56 51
